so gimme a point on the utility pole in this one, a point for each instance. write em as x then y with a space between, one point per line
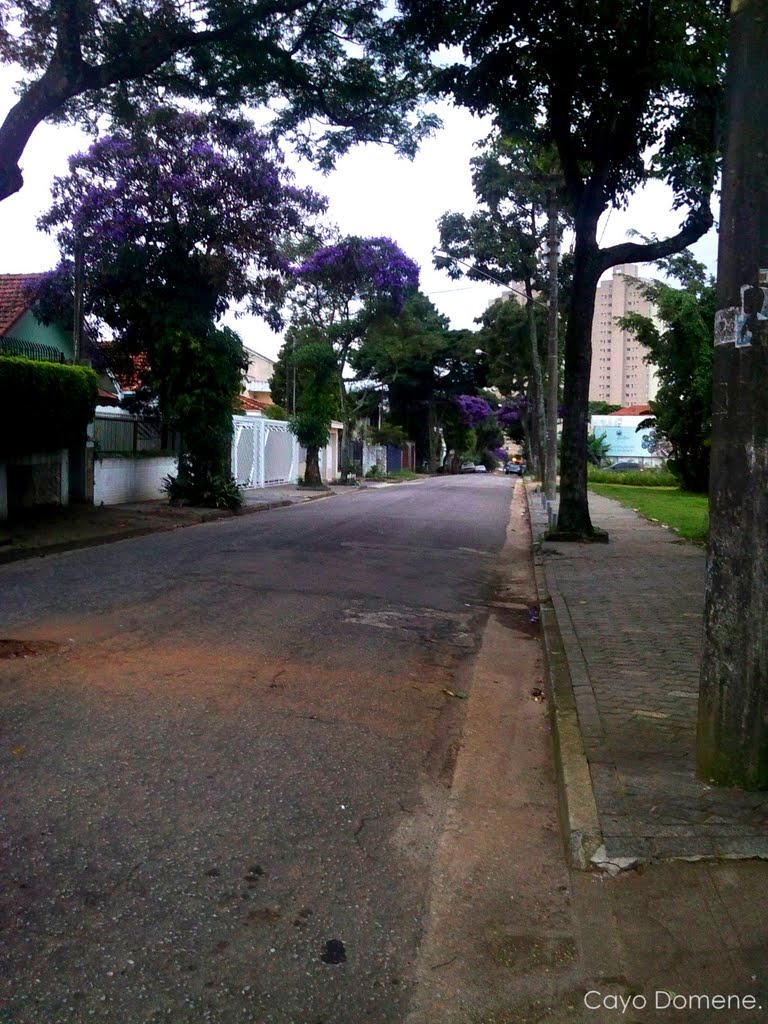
553 355
732 748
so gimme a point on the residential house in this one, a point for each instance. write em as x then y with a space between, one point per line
37 478
21 333
258 374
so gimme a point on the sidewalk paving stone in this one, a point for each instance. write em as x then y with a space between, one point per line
630 620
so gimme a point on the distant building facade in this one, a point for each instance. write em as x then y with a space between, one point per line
258 374
620 375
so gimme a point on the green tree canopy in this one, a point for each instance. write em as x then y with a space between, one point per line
681 349
422 363
518 185
306 370
342 288
339 64
625 91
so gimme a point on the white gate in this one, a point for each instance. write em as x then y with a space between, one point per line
264 452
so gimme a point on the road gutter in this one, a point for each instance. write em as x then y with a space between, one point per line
579 818
501 942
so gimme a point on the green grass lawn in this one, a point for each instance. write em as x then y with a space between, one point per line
686 514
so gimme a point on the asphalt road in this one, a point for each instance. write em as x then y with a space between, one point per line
227 753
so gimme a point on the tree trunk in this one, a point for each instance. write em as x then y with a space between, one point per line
348 417
312 476
538 380
533 434
733 699
432 427
573 516
553 355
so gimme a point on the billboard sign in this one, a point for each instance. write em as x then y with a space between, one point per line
621 437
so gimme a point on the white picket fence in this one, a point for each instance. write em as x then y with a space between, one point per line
264 452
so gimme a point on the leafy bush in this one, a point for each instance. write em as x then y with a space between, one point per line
633 478
389 433
44 406
202 490
597 449
276 412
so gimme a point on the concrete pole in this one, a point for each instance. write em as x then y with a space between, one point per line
732 748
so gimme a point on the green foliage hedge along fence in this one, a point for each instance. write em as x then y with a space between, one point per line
632 478
43 406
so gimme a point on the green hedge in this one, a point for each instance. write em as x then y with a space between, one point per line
44 406
632 477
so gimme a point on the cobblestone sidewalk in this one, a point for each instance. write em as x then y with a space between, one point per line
630 620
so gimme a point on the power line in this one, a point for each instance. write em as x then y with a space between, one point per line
496 280
450 291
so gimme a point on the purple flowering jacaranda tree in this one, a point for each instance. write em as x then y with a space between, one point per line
173 221
474 410
194 203
343 288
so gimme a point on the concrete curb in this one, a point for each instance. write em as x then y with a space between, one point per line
198 519
579 819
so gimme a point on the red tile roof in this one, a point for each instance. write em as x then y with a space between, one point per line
248 404
633 410
14 298
107 397
128 370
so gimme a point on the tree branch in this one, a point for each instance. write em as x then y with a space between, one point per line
68 37
68 75
698 223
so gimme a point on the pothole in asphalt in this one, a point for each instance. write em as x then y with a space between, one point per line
334 952
28 648
433 625
523 618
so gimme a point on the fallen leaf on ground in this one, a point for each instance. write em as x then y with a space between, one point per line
459 694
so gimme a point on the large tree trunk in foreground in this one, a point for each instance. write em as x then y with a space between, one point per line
733 702
573 516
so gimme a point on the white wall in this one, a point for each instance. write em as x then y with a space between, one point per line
120 480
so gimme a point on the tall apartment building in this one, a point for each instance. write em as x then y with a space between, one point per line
620 375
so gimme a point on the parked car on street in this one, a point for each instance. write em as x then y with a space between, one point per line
467 467
515 466
480 468
625 467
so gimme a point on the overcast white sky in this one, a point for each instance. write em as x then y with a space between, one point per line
371 192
